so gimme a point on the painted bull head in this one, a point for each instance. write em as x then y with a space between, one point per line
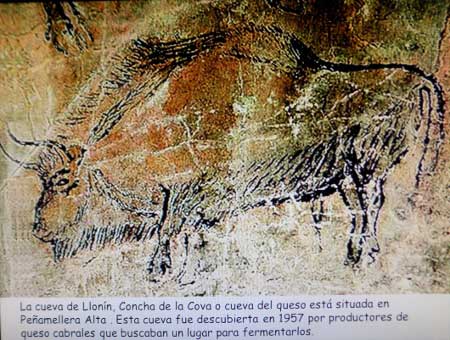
58 169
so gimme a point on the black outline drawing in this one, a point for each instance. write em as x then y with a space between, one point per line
354 162
66 26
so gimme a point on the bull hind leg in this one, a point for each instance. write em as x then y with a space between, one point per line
367 165
364 203
317 216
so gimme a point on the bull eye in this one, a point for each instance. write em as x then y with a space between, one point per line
62 181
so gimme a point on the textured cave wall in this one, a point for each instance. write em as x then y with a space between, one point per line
264 251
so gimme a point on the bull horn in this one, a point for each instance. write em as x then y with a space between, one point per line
47 143
59 148
25 165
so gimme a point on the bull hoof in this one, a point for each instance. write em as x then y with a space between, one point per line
159 266
365 252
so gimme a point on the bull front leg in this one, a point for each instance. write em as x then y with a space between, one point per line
160 262
152 211
364 202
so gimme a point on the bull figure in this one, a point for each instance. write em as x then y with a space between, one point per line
352 160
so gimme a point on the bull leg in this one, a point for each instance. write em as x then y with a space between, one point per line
317 217
364 204
160 261
182 271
